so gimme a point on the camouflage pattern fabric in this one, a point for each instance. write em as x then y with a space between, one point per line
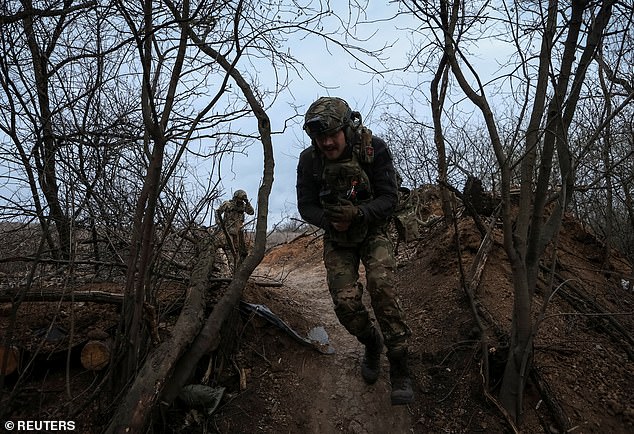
406 215
231 214
326 116
364 176
346 180
342 267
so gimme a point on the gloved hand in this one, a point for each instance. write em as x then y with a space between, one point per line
345 211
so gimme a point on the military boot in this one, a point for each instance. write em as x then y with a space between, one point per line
402 392
371 363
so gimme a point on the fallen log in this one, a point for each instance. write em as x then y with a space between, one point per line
133 410
79 296
60 261
95 355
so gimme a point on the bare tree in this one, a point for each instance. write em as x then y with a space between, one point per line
552 84
415 163
604 175
65 125
41 44
215 37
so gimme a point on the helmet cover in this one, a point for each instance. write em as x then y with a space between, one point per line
240 194
326 116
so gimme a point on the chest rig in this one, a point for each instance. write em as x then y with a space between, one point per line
345 180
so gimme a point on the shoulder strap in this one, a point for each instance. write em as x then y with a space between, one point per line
362 137
363 145
318 165
362 148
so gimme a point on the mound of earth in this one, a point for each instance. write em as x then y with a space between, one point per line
276 381
582 375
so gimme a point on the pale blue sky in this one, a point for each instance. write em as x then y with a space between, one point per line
339 75
335 70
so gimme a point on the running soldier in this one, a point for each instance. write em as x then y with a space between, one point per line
230 217
346 185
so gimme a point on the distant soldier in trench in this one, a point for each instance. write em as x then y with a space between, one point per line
230 218
346 185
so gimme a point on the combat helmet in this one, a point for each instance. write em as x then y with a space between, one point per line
240 194
328 115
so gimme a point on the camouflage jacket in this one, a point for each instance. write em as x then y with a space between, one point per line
231 212
380 172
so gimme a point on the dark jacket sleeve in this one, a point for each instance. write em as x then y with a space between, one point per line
308 187
383 179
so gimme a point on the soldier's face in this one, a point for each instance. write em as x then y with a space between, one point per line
332 145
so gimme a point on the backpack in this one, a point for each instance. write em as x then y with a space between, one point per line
406 215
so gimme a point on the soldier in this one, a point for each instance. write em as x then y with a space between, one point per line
230 216
346 184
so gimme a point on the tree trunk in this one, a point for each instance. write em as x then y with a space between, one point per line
438 89
532 233
520 348
46 148
132 414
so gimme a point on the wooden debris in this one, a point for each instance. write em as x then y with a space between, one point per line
98 335
56 296
12 355
96 355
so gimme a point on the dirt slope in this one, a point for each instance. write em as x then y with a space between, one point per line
276 383
580 357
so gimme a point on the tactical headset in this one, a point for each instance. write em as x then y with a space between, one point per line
328 115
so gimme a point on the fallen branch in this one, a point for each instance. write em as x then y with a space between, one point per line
60 261
585 305
470 287
264 284
56 296
133 410
555 408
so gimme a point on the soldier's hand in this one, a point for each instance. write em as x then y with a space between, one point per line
341 226
343 212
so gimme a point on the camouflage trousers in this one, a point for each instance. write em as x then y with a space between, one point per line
342 268
235 249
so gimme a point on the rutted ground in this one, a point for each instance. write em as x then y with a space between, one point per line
276 384
293 388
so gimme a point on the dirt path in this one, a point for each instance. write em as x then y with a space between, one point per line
339 398
329 395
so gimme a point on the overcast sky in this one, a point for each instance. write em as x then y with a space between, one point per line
332 67
338 75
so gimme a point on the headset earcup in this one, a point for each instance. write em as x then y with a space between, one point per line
350 135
